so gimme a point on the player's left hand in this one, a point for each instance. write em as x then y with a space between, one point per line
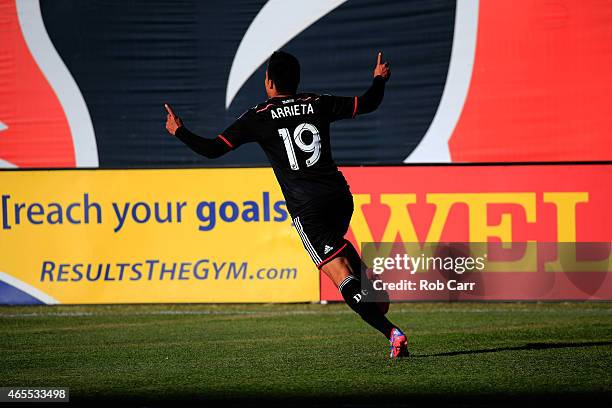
382 70
173 122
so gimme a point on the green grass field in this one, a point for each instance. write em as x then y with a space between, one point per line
479 353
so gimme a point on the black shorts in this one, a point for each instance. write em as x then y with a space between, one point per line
322 225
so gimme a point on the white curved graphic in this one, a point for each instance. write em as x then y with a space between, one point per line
30 290
4 163
275 25
433 148
61 81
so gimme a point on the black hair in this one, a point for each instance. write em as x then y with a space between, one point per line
284 71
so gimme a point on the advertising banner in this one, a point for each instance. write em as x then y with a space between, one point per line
143 236
224 235
538 208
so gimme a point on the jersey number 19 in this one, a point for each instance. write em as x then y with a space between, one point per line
313 147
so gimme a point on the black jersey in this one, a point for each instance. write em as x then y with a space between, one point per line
294 134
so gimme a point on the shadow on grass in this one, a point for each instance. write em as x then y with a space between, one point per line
528 346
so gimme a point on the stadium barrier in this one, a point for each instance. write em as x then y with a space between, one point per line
144 236
224 235
547 203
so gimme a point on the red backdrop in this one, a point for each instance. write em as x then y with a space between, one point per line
542 203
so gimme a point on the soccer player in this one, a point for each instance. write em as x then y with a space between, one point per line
293 130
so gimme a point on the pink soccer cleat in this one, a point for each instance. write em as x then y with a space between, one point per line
398 344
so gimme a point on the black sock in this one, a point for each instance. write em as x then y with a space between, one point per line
350 288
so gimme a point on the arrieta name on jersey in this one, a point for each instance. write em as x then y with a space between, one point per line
292 110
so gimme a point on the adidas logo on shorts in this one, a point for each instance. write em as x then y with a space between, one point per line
327 249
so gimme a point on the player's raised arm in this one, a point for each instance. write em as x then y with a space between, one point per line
371 99
343 107
210 148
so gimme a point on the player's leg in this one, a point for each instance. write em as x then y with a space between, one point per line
322 227
356 291
342 265
337 270
358 269
342 272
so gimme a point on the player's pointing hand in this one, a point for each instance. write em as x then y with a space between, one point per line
173 122
381 69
